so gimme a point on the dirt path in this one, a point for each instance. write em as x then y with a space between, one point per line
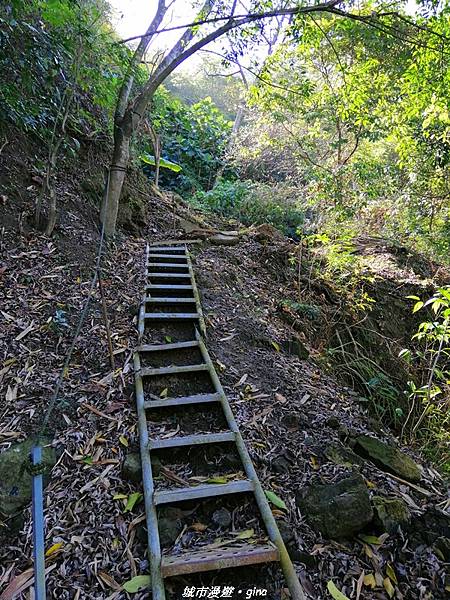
289 411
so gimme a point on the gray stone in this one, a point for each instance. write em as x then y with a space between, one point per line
15 475
280 464
286 531
169 530
131 467
337 510
221 239
340 455
292 421
387 458
390 513
429 526
333 422
222 517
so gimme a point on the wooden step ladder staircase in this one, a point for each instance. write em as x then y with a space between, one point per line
170 284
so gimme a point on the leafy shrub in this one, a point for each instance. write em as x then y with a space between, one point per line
311 312
194 137
39 43
429 415
341 265
254 203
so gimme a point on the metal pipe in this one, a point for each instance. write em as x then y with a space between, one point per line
269 521
154 547
38 525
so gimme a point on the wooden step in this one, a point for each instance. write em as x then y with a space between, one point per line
236 555
182 401
170 275
163 347
172 370
150 300
192 440
203 491
172 316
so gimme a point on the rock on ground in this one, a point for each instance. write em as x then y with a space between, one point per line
131 467
221 239
337 510
16 478
388 458
390 513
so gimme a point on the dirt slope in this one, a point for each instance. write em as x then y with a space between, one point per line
292 413
289 410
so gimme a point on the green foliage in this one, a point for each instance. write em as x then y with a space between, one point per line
194 137
428 418
383 396
342 266
194 85
309 311
253 204
226 198
359 121
39 43
30 58
149 159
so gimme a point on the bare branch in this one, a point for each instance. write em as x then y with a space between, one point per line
138 55
247 18
257 75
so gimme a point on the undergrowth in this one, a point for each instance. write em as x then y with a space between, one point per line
253 204
428 418
418 409
353 353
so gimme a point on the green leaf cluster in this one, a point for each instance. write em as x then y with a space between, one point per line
40 41
193 137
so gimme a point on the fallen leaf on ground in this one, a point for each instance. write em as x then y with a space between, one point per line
245 535
391 573
337 594
275 500
54 549
369 580
389 587
242 380
132 500
25 332
140 582
110 581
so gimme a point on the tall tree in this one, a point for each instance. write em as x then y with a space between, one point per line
130 112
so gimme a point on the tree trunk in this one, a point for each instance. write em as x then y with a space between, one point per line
51 222
236 124
129 114
114 182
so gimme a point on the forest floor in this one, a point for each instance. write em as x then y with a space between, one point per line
290 411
